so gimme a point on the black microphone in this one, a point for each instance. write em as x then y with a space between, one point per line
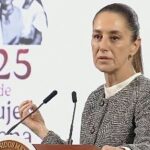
47 99
74 99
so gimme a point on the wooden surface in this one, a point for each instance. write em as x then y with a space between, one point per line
64 147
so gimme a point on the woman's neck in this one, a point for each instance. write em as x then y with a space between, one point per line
117 77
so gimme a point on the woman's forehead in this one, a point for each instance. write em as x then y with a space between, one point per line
110 21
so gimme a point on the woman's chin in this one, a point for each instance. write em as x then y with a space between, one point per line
105 70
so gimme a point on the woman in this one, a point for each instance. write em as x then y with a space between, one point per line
117 114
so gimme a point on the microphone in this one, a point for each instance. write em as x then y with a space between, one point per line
47 99
74 99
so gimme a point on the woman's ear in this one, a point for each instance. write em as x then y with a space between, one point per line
135 46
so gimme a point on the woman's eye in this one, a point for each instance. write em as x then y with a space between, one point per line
114 38
96 36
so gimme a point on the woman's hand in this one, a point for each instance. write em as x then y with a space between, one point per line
35 122
107 147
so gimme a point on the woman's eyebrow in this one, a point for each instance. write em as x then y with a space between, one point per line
115 32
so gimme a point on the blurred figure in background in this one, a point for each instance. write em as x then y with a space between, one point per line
10 23
35 22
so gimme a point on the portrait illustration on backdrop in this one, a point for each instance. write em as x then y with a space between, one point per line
22 25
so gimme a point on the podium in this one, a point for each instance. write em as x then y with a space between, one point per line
64 147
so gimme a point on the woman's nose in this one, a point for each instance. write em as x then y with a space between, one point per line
104 44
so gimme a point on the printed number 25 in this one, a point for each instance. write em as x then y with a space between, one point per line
18 61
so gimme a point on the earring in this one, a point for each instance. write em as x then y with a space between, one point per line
129 57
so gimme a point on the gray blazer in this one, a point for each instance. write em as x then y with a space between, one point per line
121 120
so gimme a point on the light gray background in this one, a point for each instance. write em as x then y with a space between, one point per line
64 62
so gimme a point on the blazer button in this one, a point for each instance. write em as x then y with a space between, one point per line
92 130
101 103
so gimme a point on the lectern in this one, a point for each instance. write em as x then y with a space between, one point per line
64 147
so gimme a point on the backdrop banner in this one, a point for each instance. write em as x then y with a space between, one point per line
46 45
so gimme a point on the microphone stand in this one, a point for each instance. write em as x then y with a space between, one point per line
70 141
8 132
47 99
